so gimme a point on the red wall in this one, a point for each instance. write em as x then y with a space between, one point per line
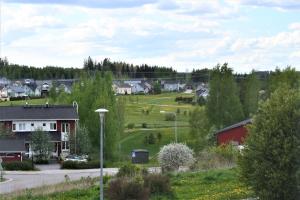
237 134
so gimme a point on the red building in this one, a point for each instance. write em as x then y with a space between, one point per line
59 121
234 134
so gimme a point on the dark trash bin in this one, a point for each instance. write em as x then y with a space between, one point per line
140 156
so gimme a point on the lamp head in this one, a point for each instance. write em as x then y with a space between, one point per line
101 111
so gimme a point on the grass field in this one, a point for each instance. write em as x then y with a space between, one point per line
23 102
210 185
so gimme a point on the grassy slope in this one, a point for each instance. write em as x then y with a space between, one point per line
23 102
133 139
211 185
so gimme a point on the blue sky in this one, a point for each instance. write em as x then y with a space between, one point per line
183 34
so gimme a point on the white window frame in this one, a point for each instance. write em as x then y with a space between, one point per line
65 127
54 125
14 127
22 126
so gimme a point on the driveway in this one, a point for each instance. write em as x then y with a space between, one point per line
22 180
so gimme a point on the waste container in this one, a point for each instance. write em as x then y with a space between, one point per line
140 156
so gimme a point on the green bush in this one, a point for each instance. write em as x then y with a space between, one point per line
151 139
126 188
130 125
144 125
170 117
80 165
129 170
157 183
40 161
18 166
224 156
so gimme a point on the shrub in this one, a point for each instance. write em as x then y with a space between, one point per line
172 156
144 125
216 157
151 139
157 183
159 136
126 188
130 125
41 161
170 117
130 170
18 166
80 165
185 113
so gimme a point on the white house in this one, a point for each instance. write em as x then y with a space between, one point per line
123 89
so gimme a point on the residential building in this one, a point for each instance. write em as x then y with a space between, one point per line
59 121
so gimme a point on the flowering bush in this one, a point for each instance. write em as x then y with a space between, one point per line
174 155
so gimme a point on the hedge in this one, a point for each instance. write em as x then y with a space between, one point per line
80 165
18 166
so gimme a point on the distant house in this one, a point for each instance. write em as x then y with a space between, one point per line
4 93
29 91
171 86
123 89
57 120
4 81
16 91
12 149
202 91
234 134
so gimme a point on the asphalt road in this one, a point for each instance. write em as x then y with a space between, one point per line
22 180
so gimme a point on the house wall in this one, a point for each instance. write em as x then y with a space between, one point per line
27 125
237 134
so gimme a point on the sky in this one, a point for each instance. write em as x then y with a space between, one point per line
183 34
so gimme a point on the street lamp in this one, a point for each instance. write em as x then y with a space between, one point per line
101 112
175 123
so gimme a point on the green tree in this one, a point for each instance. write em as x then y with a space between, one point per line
223 104
288 76
157 88
250 94
80 142
94 93
199 128
41 145
270 159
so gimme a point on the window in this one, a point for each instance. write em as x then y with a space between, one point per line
21 126
65 128
32 124
14 127
44 124
53 126
65 145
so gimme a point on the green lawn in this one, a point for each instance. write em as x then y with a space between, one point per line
23 102
154 104
135 140
210 185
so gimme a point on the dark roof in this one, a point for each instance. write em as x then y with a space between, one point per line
242 123
40 112
12 145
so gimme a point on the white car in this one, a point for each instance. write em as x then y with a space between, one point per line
75 158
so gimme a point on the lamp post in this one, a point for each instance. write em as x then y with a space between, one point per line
175 123
101 112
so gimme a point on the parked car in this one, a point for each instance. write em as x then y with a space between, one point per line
75 158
